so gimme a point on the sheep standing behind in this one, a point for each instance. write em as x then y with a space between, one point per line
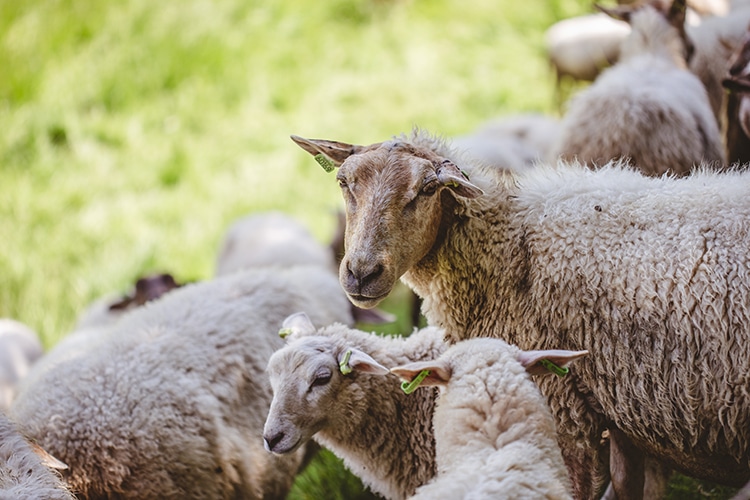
20 348
494 433
514 142
647 108
383 436
26 471
170 401
647 274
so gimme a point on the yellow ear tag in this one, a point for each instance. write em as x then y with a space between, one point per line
324 162
409 387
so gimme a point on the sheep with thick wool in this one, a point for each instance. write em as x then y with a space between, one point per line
648 108
494 433
383 435
26 470
170 402
650 275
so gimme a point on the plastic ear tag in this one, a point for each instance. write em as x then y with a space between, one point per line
324 162
560 371
344 365
285 332
409 387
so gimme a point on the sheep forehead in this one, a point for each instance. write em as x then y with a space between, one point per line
394 167
470 355
300 359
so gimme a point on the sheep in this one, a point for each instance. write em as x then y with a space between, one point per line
19 349
109 309
648 107
26 470
382 435
494 433
516 141
716 39
647 274
275 239
170 402
737 82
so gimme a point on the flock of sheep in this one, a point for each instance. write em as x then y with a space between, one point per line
586 283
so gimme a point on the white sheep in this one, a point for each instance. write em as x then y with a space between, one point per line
26 470
277 240
19 349
170 402
383 436
650 275
270 239
515 141
648 107
716 39
494 433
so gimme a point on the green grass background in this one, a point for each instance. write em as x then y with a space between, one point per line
132 132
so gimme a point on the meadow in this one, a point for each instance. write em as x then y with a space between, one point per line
134 132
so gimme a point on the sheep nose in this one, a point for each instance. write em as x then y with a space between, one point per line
271 443
364 274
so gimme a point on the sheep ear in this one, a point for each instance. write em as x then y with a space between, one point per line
352 359
552 361
450 175
621 13
440 372
296 324
330 154
47 458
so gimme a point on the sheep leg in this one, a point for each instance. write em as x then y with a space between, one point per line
655 482
626 465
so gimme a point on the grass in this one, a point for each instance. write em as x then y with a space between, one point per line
134 132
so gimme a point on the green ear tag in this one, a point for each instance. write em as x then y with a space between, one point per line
284 332
344 365
409 387
324 162
560 371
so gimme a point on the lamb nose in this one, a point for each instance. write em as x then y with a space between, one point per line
270 444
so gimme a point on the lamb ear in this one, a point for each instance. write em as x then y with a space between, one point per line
335 152
352 359
551 361
296 324
440 372
450 175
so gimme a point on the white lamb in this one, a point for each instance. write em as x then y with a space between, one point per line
650 275
648 108
494 433
26 470
384 436
19 349
170 402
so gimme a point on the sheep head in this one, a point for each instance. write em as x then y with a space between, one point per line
309 378
395 193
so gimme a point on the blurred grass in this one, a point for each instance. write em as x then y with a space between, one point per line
133 132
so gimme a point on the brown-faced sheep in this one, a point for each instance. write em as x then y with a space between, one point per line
650 275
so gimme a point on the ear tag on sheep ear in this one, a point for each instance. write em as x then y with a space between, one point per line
560 371
344 365
324 162
285 332
409 387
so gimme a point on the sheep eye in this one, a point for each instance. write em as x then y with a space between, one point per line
430 188
343 184
320 380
